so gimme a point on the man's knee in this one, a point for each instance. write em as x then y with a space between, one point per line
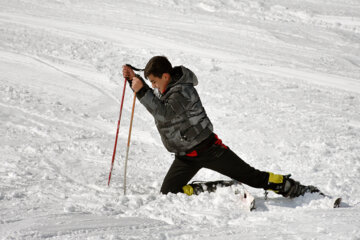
167 188
164 190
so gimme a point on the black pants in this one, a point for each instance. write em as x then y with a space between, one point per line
216 157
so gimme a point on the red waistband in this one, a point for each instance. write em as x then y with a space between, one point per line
200 149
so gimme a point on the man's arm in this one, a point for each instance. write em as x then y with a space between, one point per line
163 111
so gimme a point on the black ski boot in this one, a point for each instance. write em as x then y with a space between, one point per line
288 187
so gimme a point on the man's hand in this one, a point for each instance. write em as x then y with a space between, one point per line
128 73
137 84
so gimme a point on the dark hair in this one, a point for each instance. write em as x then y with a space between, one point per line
157 66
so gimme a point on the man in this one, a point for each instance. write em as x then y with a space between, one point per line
186 130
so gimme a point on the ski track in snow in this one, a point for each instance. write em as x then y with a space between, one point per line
280 81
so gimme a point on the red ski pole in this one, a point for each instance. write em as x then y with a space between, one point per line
117 133
128 143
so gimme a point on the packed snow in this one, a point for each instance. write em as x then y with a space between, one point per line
279 79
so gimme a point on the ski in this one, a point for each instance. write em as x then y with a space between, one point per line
312 189
246 198
337 202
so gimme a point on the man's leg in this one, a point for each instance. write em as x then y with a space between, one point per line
179 174
228 163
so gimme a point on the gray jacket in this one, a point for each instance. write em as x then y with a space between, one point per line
179 115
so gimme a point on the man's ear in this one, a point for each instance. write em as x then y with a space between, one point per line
166 76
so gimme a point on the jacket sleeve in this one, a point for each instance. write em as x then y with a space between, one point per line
176 104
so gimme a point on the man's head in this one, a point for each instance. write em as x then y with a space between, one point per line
158 71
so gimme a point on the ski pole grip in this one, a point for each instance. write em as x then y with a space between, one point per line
134 68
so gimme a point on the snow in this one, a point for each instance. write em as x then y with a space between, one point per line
280 81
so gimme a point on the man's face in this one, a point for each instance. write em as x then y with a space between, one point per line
159 83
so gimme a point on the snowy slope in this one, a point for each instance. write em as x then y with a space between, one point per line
280 81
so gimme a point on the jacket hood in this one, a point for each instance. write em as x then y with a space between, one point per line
181 75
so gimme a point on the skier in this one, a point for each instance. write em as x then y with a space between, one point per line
186 131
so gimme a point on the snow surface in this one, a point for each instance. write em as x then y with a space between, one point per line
279 79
